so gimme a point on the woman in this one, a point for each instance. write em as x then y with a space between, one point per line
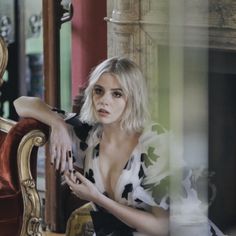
125 158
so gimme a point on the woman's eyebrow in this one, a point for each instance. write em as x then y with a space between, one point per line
113 89
117 89
97 85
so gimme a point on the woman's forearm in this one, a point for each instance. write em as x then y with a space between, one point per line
34 107
143 222
60 140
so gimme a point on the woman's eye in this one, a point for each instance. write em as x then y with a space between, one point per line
117 94
98 91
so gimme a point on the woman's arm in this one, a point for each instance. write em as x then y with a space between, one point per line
60 140
143 222
34 107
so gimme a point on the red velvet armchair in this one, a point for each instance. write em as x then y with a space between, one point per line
19 201
19 142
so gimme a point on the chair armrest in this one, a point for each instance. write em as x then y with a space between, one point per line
32 209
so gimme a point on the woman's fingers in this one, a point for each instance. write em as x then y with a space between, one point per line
75 177
81 186
58 158
80 177
61 146
60 161
70 160
70 181
63 159
52 153
77 188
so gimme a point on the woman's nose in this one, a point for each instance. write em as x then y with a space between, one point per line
105 98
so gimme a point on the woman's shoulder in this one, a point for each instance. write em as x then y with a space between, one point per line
152 134
154 143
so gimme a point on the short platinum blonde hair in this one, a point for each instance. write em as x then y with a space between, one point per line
133 84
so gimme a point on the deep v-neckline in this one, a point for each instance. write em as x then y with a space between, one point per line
102 178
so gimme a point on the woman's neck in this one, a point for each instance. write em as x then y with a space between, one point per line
114 134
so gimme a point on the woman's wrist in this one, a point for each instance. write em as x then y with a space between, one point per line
98 198
58 122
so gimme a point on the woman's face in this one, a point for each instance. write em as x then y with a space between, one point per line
109 101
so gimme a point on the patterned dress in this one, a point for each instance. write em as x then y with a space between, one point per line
144 180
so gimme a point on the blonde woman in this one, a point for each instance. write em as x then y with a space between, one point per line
124 156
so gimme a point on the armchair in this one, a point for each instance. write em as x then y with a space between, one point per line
19 142
19 199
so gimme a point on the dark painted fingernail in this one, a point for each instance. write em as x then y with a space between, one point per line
62 172
74 171
73 159
51 163
70 171
69 153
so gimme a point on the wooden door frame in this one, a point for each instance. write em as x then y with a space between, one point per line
53 16
51 49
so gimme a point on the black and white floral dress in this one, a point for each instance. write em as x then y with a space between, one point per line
143 183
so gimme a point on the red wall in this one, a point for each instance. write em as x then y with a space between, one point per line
89 39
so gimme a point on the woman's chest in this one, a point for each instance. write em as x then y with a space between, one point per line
112 162
117 175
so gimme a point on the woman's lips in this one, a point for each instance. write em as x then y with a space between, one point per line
103 112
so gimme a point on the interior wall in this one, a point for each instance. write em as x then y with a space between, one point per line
89 40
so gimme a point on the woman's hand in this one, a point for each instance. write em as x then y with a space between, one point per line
61 146
82 187
60 141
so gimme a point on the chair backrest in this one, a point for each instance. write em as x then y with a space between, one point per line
20 213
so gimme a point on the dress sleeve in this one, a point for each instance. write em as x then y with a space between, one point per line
79 133
190 205
77 153
154 158
158 174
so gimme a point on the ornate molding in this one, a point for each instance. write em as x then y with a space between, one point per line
28 184
121 22
126 10
32 207
154 12
39 141
124 41
31 204
33 226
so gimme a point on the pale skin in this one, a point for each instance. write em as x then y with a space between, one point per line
109 104
60 141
